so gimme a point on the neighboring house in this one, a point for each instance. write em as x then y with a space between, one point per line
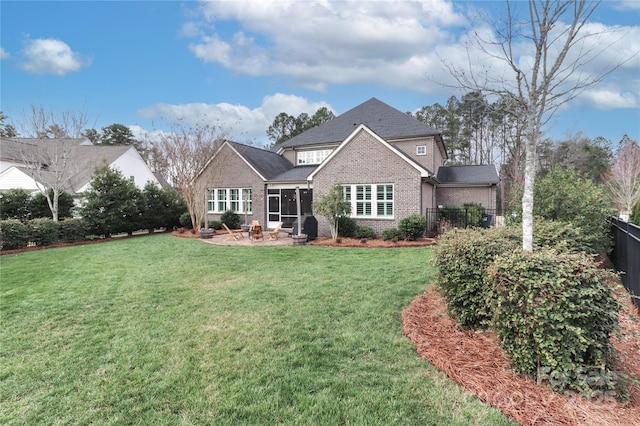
390 165
18 157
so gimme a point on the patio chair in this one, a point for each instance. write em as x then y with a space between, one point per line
233 234
273 235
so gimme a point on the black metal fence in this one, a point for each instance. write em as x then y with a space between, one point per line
626 254
442 219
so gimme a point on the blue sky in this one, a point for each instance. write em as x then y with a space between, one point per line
238 64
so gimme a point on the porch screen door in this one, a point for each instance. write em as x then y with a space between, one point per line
273 213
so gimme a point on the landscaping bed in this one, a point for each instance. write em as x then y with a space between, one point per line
474 360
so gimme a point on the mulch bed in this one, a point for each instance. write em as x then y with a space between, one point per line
474 360
371 243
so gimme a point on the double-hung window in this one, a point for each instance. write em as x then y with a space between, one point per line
312 157
370 201
238 200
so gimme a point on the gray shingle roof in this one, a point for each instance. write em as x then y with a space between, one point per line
85 157
296 174
267 163
485 174
386 121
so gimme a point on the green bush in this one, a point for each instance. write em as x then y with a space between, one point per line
40 206
185 220
413 227
462 257
568 197
467 215
347 227
562 236
72 230
365 232
15 204
635 213
13 234
231 219
43 231
555 314
215 224
391 234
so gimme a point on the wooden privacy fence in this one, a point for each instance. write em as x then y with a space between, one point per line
626 254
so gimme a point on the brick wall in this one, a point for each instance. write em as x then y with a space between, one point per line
432 158
364 160
227 170
453 197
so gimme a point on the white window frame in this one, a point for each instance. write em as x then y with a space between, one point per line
421 150
223 199
304 158
371 200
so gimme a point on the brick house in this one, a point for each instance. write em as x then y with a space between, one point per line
390 165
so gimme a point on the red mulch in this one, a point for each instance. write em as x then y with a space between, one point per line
474 360
374 243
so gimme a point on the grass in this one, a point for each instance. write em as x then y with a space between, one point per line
161 330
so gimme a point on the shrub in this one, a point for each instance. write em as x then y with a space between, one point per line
13 234
185 220
413 227
14 204
231 219
112 203
391 234
365 232
72 230
40 206
215 224
462 258
347 227
43 231
566 196
554 314
468 215
562 236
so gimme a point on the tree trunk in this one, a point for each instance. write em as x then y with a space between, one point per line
529 180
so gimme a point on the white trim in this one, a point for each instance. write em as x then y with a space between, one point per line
228 200
424 150
226 142
423 173
373 202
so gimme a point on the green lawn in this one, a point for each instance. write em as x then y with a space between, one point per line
163 330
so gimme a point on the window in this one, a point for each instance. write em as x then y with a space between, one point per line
235 199
312 157
421 150
375 201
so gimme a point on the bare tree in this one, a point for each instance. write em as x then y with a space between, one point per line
555 34
185 151
50 153
622 178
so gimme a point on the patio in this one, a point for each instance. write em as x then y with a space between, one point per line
224 238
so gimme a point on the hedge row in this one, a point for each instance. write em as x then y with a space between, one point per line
40 232
552 309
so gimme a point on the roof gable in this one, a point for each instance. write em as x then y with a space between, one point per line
384 120
266 164
362 128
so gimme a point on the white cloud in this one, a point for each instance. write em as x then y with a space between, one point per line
4 54
50 56
397 44
327 42
623 5
242 123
